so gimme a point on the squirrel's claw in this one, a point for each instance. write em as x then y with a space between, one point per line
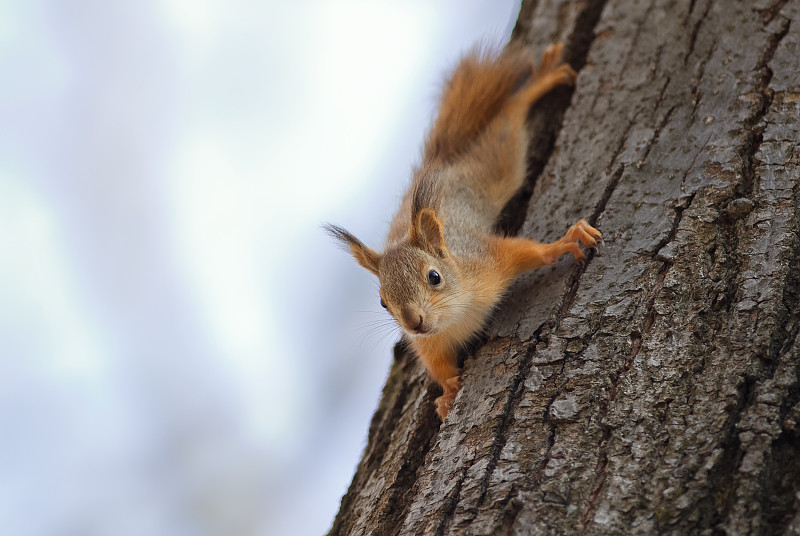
581 233
585 234
551 57
443 405
453 385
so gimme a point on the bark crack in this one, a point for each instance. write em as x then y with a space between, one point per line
679 209
663 91
696 29
754 134
450 503
656 134
636 339
691 164
621 143
609 190
501 431
697 95
576 52
398 501
632 49
576 55
729 236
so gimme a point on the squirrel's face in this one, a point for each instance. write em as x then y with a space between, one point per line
419 279
419 289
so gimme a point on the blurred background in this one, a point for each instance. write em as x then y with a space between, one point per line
182 349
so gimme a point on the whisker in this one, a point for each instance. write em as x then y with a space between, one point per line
384 338
365 329
377 334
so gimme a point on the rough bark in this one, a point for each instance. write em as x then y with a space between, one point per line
654 389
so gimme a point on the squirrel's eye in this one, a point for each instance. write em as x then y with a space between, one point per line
383 303
434 278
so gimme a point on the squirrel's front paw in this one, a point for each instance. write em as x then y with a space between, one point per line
451 388
585 233
443 405
453 385
582 233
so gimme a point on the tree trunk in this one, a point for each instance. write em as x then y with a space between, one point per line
654 389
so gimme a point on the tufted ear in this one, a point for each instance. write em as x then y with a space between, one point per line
428 233
366 257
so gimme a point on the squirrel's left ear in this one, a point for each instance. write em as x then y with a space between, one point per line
366 257
428 233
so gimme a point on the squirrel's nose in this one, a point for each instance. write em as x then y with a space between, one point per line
414 321
419 328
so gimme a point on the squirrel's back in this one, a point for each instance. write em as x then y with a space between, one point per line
451 178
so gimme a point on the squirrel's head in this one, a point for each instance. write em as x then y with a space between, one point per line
419 278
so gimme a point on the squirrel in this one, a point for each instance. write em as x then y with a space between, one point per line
444 268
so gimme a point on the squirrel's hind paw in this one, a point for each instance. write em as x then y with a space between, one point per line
551 63
566 75
550 58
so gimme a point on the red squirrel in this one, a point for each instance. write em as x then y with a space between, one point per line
444 268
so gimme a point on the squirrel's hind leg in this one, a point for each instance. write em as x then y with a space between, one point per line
550 74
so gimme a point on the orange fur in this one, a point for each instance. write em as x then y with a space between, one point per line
518 255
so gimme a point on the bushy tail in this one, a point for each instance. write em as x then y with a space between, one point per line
473 95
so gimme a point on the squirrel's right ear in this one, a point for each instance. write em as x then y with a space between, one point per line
427 232
366 257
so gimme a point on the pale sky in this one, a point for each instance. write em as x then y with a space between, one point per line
182 349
